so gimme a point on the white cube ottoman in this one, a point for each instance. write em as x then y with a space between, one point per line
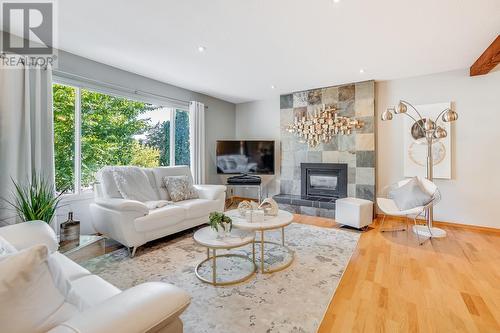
354 212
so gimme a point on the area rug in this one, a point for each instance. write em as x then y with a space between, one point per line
292 300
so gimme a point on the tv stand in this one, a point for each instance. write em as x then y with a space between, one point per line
243 182
244 179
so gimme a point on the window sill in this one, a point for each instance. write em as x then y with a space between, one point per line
85 195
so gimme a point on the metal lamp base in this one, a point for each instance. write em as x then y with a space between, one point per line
422 230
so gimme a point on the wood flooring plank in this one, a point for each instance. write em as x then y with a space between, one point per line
392 284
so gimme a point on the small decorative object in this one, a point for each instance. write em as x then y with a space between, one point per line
70 232
321 125
35 200
221 223
254 216
269 206
246 205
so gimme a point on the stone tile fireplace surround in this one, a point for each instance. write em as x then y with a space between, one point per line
356 151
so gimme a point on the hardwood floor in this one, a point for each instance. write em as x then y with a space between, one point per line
394 285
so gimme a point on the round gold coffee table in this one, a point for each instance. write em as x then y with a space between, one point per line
282 220
212 241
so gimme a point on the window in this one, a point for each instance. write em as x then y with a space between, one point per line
93 129
64 136
182 154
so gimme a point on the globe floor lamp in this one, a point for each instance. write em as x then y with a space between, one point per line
428 131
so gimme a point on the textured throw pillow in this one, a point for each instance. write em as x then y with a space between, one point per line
180 188
133 184
30 299
410 195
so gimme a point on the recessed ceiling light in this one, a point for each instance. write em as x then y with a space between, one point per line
336 1
202 48
361 70
273 86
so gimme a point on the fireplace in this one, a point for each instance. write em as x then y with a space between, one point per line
323 180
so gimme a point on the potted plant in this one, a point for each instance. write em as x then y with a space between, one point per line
221 223
35 200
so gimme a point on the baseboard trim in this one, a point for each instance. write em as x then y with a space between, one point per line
451 224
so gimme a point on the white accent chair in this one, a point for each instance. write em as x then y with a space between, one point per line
133 224
389 207
147 307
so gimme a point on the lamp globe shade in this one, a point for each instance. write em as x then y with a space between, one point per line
386 115
449 116
401 108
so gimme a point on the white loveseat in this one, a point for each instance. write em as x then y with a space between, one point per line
148 307
133 224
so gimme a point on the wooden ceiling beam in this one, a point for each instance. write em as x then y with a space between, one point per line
488 60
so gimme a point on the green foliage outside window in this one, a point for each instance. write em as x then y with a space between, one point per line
182 138
64 136
109 125
159 136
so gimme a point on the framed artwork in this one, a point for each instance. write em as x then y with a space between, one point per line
415 151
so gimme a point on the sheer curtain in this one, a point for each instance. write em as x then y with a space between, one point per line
197 133
26 130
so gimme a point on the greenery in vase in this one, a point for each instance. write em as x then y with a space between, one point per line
35 200
217 220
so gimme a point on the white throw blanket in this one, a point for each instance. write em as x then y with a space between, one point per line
157 204
133 184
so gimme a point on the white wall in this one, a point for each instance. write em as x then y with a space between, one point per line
472 194
260 120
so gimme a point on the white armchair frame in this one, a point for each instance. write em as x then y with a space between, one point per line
388 206
155 306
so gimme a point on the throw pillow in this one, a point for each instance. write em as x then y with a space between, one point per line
180 188
29 298
133 184
410 195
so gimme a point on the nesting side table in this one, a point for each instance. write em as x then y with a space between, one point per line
281 221
209 238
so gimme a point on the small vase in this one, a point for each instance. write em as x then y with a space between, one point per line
223 231
69 231
227 230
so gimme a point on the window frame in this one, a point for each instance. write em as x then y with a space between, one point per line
78 86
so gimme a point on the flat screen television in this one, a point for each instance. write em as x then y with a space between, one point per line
245 157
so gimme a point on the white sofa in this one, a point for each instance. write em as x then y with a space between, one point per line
132 224
148 307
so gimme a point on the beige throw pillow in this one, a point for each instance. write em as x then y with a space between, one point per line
27 294
180 188
35 296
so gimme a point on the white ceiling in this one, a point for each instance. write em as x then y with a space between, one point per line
292 44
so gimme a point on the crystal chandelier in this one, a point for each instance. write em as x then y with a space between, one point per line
321 125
